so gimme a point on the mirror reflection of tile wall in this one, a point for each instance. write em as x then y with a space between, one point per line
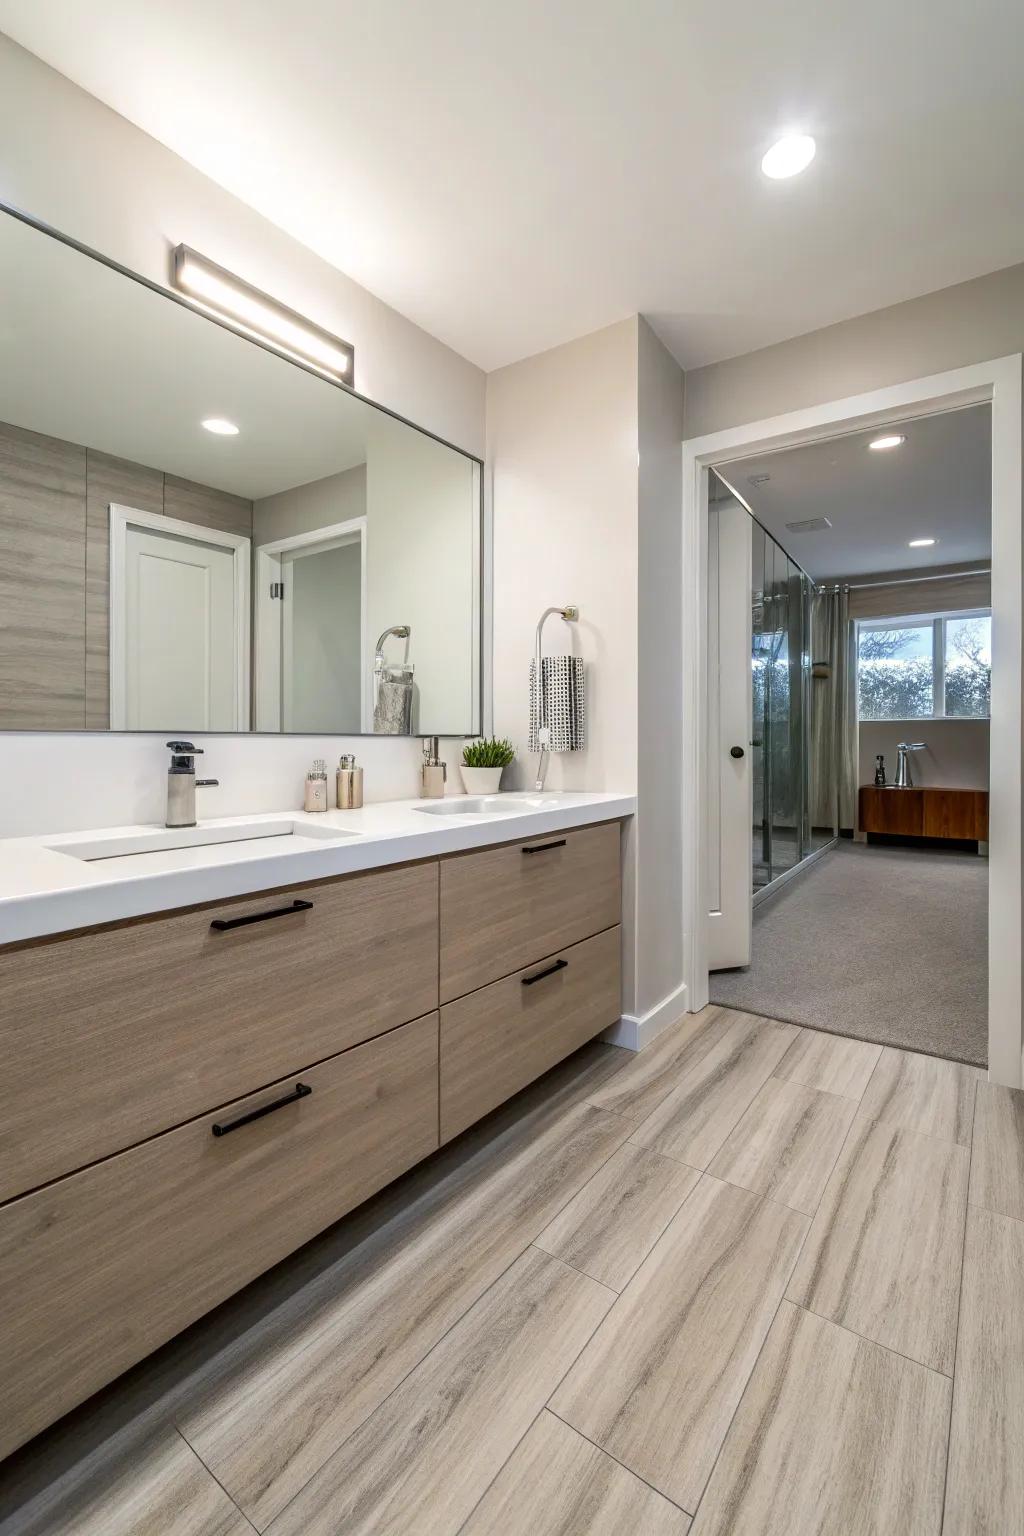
157 576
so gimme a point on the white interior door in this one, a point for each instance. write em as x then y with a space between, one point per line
179 633
730 779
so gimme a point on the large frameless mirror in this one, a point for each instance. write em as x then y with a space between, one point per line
196 534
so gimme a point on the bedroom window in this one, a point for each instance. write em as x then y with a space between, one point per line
931 668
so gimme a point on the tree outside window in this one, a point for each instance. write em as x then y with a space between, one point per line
925 668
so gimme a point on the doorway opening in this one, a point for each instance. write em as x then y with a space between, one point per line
310 627
865 909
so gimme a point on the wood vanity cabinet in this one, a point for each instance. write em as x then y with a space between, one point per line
505 907
495 1041
188 1097
117 1033
98 1269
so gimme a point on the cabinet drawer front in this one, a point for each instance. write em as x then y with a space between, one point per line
100 1268
497 1040
502 907
118 1033
956 813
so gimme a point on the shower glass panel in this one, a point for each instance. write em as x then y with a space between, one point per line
780 683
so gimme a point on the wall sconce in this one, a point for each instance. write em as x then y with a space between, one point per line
222 293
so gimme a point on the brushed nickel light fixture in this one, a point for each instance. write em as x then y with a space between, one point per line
221 293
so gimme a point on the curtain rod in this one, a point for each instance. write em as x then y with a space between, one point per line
901 581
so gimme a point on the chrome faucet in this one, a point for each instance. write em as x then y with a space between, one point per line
182 784
904 778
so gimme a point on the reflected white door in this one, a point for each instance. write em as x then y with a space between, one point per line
179 633
730 779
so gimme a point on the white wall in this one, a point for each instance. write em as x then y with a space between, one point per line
583 448
73 162
422 517
305 508
562 452
956 755
659 911
968 323
326 688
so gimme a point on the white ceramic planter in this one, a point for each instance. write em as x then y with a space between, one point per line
480 781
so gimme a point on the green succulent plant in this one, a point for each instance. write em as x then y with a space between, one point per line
488 752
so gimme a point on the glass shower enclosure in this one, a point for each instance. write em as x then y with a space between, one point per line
783 700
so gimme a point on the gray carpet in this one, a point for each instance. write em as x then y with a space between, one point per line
885 944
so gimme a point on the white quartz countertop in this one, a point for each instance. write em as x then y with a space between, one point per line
45 888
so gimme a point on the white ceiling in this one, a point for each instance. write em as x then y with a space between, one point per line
511 176
938 485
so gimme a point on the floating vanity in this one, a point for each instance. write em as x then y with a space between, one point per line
218 1042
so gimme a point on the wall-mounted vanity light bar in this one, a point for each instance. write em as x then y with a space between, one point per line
222 293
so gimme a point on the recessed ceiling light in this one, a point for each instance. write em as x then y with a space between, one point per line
919 543
791 155
891 440
221 427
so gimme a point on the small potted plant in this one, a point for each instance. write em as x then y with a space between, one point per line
482 762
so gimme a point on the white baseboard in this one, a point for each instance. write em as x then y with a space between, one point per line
634 1031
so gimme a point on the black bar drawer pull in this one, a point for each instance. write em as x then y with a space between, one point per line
543 847
222 924
302 1091
559 965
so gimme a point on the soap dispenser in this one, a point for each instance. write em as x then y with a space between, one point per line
349 783
433 772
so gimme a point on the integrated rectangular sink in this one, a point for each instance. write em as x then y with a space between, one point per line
119 845
490 805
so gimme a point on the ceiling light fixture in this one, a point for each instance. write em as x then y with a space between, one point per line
220 292
891 440
789 156
920 543
220 426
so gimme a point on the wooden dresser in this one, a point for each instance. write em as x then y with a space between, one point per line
191 1096
925 812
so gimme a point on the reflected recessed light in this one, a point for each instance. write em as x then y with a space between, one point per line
919 543
791 155
221 427
892 440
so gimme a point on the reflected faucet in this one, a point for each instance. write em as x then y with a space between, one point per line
400 631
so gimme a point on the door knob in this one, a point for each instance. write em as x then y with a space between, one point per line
735 751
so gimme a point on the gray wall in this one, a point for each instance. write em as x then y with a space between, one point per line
956 755
968 323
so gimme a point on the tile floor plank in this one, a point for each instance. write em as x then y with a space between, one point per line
985 1485
659 1382
884 1252
158 1486
834 1437
997 1161
830 1063
697 1116
438 1441
653 1072
923 1094
278 1402
610 1227
558 1484
786 1145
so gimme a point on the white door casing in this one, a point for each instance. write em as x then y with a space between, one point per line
730 779
179 625
997 381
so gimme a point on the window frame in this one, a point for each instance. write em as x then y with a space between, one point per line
938 621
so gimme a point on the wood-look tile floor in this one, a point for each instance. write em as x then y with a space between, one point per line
755 1280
